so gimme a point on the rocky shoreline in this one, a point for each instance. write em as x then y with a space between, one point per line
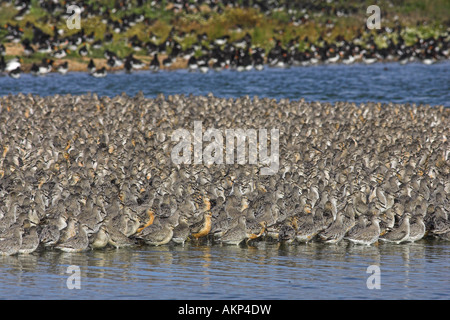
85 172
38 37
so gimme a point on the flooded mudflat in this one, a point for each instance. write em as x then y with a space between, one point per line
314 271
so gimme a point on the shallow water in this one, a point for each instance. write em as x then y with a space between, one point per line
314 271
381 82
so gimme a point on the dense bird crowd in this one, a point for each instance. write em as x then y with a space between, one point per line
81 172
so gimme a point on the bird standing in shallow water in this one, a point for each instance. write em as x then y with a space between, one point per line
336 231
101 238
366 235
157 234
116 238
30 241
99 73
70 230
181 231
236 235
286 233
78 243
11 242
151 218
154 64
308 230
49 235
202 228
417 228
255 230
400 234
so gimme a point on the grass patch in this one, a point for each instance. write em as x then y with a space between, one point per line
263 28
7 11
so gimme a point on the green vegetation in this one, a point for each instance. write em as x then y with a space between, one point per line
422 18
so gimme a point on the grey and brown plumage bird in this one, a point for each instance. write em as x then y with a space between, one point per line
366 235
287 231
203 227
360 224
255 230
49 235
236 235
309 228
336 231
30 241
116 238
101 238
78 243
417 228
11 241
348 219
329 213
70 230
400 234
440 222
181 231
157 234
151 217
387 220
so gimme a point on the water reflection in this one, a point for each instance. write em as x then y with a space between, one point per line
266 271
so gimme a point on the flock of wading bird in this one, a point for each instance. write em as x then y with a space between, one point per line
87 172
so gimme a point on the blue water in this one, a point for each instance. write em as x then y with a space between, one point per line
382 82
315 271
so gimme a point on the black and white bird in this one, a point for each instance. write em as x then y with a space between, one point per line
46 66
135 63
15 73
63 68
167 62
114 62
192 64
27 48
100 73
83 51
222 40
91 66
2 64
154 64
61 53
13 64
128 67
34 69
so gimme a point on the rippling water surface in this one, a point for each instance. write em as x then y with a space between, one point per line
383 82
315 271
